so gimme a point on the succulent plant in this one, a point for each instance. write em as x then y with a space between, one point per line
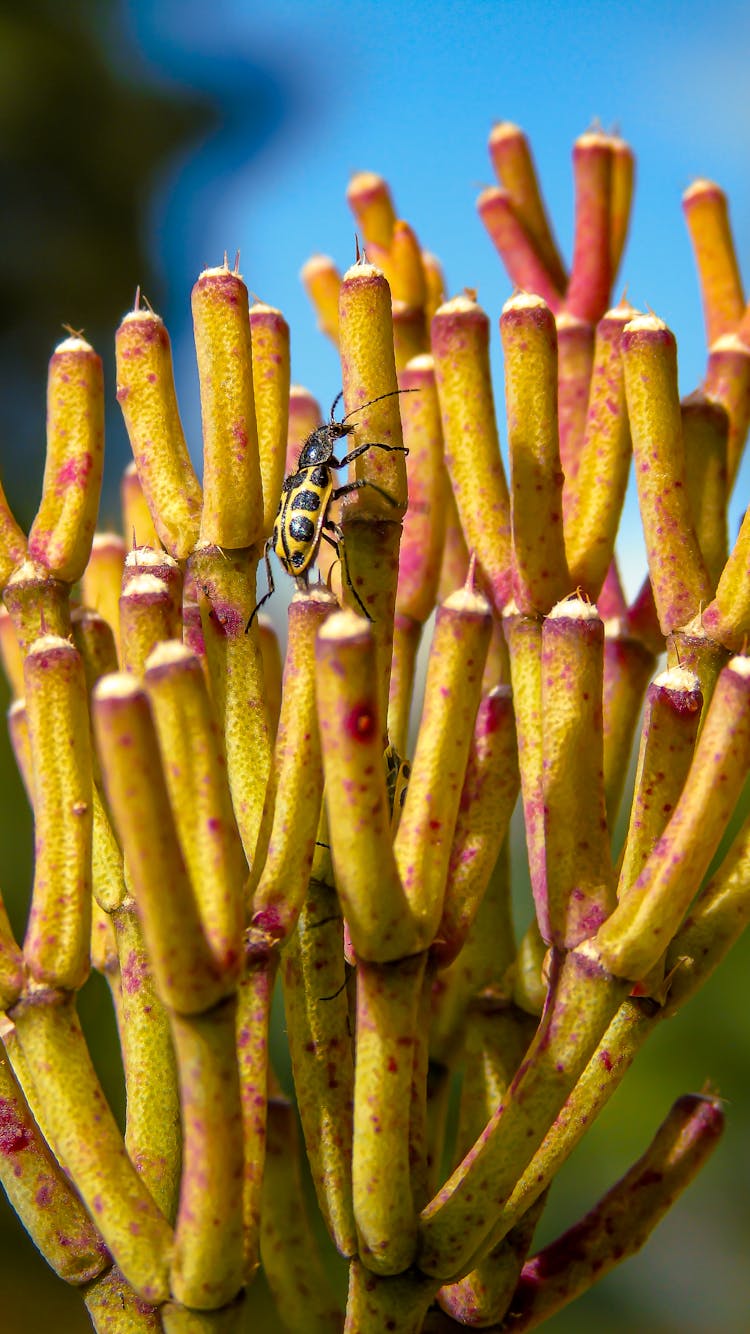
209 825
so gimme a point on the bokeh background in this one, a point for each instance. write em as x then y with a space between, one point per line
140 140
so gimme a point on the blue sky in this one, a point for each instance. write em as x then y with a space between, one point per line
411 90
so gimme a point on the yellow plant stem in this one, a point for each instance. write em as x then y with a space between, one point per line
600 1078
594 493
270 652
575 359
620 1223
540 572
479 973
304 418
368 370
269 333
254 995
89 1143
452 693
727 618
38 605
424 524
10 653
178 1319
317 1017
188 978
407 637
694 650
12 541
61 534
621 199
11 962
488 796
56 946
591 271
195 773
409 283
716 920
115 1308
496 1041
454 1225
137 524
369 198
580 883
628 668
727 382
399 1303
387 1010
147 617
524 638
152 1131
295 788
678 574
207 1265
322 280
513 162
227 596
648 914
410 334
39 1190
232 513
102 579
291 1261
530 982
706 214
460 345
156 562
372 527
146 394
381 926
670 728
434 284
454 566
524 264
705 431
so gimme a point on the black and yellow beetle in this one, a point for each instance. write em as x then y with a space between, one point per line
302 520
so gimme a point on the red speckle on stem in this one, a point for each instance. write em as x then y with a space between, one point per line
359 723
14 1135
133 972
73 473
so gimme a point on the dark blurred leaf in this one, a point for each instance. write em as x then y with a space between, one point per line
80 148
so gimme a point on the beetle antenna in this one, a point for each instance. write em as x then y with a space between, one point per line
335 404
391 394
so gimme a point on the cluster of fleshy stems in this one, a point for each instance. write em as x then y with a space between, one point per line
204 823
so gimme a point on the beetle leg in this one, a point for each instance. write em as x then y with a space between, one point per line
269 593
341 547
362 449
348 487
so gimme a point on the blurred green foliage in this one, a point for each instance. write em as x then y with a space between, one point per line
82 144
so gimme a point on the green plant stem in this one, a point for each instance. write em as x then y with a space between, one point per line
207 1265
317 1017
152 1135
453 1227
388 1007
39 1190
114 1308
89 1143
396 1304
291 1261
